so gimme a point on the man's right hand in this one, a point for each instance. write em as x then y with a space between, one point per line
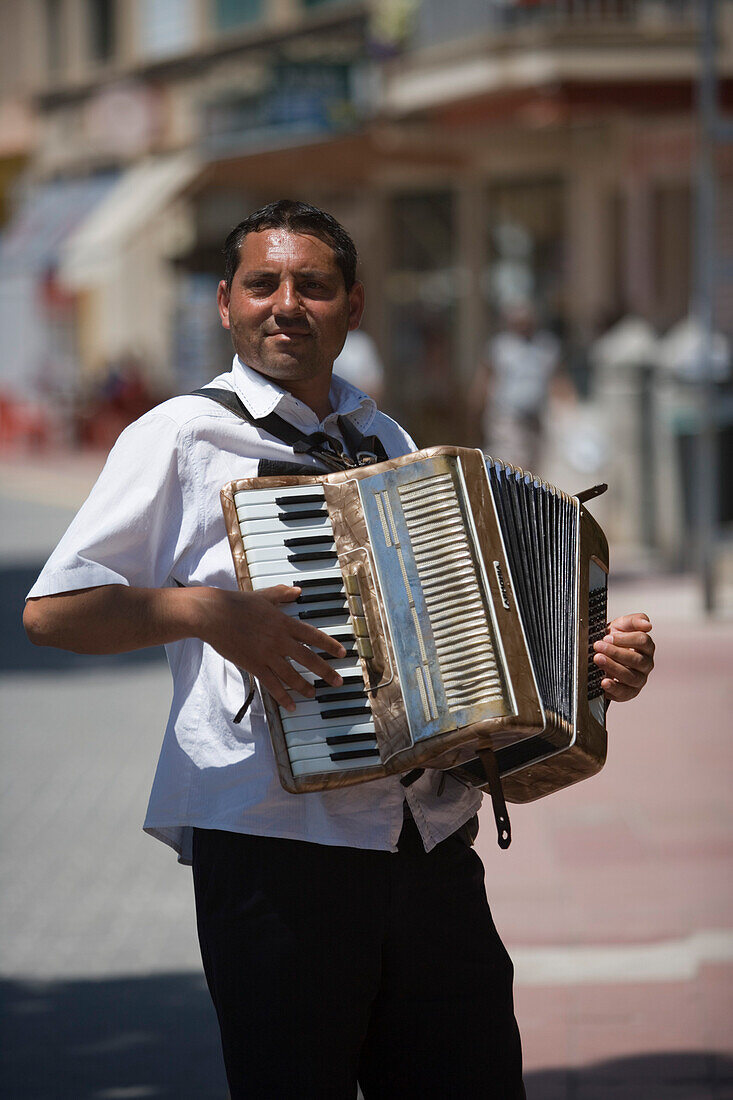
247 628
251 630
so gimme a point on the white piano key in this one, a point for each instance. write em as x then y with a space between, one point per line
362 723
332 575
283 554
318 710
287 526
255 513
325 764
293 569
315 735
267 496
339 614
313 752
346 666
267 536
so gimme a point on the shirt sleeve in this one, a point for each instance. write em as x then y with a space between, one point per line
134 524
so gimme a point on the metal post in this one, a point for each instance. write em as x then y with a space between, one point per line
706 465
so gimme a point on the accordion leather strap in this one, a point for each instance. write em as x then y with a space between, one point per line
501 814
361 450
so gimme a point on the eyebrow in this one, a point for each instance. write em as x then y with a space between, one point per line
310 272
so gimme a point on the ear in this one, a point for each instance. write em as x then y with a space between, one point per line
222 300
356 305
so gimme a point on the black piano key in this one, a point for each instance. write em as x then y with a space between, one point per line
299 498
337 695
355 679
320 597
306 513
324 613
348 646
345 712
316 582
309 540
313 555
354 754
345 739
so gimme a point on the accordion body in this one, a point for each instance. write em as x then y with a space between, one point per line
468 595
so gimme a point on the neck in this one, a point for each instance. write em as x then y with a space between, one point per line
313 393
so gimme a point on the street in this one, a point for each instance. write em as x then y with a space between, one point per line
614 899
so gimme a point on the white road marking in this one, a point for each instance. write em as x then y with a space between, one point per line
667 961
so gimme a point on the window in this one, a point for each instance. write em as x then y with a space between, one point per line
229 14
54 40
421 297
672 251
102 30
525 246
166 26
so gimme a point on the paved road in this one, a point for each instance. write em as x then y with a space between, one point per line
615 897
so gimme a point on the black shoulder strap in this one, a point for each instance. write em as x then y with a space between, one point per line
361 450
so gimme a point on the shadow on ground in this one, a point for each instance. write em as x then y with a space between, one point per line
156 1037
113 1039
678 1075
16 652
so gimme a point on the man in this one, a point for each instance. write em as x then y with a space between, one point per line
343 936
520 370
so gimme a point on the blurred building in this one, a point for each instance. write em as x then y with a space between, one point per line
478 151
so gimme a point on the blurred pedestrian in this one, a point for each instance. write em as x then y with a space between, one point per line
521 368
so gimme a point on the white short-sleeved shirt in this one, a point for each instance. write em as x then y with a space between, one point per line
154 519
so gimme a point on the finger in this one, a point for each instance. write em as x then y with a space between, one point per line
640 657
280 593
631 640
291 678
625 675
269 681
619 693
310 660
317 639
628 658
636 650
638 620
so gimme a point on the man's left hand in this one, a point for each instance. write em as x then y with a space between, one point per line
626 656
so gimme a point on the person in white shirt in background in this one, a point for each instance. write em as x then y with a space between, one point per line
345 934
521 365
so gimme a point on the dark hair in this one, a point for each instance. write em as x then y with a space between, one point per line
297 217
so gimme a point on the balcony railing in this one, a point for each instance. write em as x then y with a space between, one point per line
437 22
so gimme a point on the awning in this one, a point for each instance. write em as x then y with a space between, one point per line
143 191
46 217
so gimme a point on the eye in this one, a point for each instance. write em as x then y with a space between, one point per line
261 287
314 286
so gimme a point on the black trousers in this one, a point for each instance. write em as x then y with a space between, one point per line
327 965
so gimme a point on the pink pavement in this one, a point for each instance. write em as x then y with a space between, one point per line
638 855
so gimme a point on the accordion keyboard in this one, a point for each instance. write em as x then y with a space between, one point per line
288 539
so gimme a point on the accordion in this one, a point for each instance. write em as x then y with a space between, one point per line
467 594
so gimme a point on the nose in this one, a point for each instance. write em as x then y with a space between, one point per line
287 300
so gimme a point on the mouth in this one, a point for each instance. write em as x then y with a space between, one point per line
283 334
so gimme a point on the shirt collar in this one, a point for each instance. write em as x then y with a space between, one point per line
262 396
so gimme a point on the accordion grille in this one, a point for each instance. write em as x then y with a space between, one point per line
452 590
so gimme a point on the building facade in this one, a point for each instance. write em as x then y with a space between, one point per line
481 152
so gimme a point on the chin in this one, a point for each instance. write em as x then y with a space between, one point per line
288 369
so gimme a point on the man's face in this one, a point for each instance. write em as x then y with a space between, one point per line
288 310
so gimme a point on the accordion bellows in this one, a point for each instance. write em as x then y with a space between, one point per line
468 595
